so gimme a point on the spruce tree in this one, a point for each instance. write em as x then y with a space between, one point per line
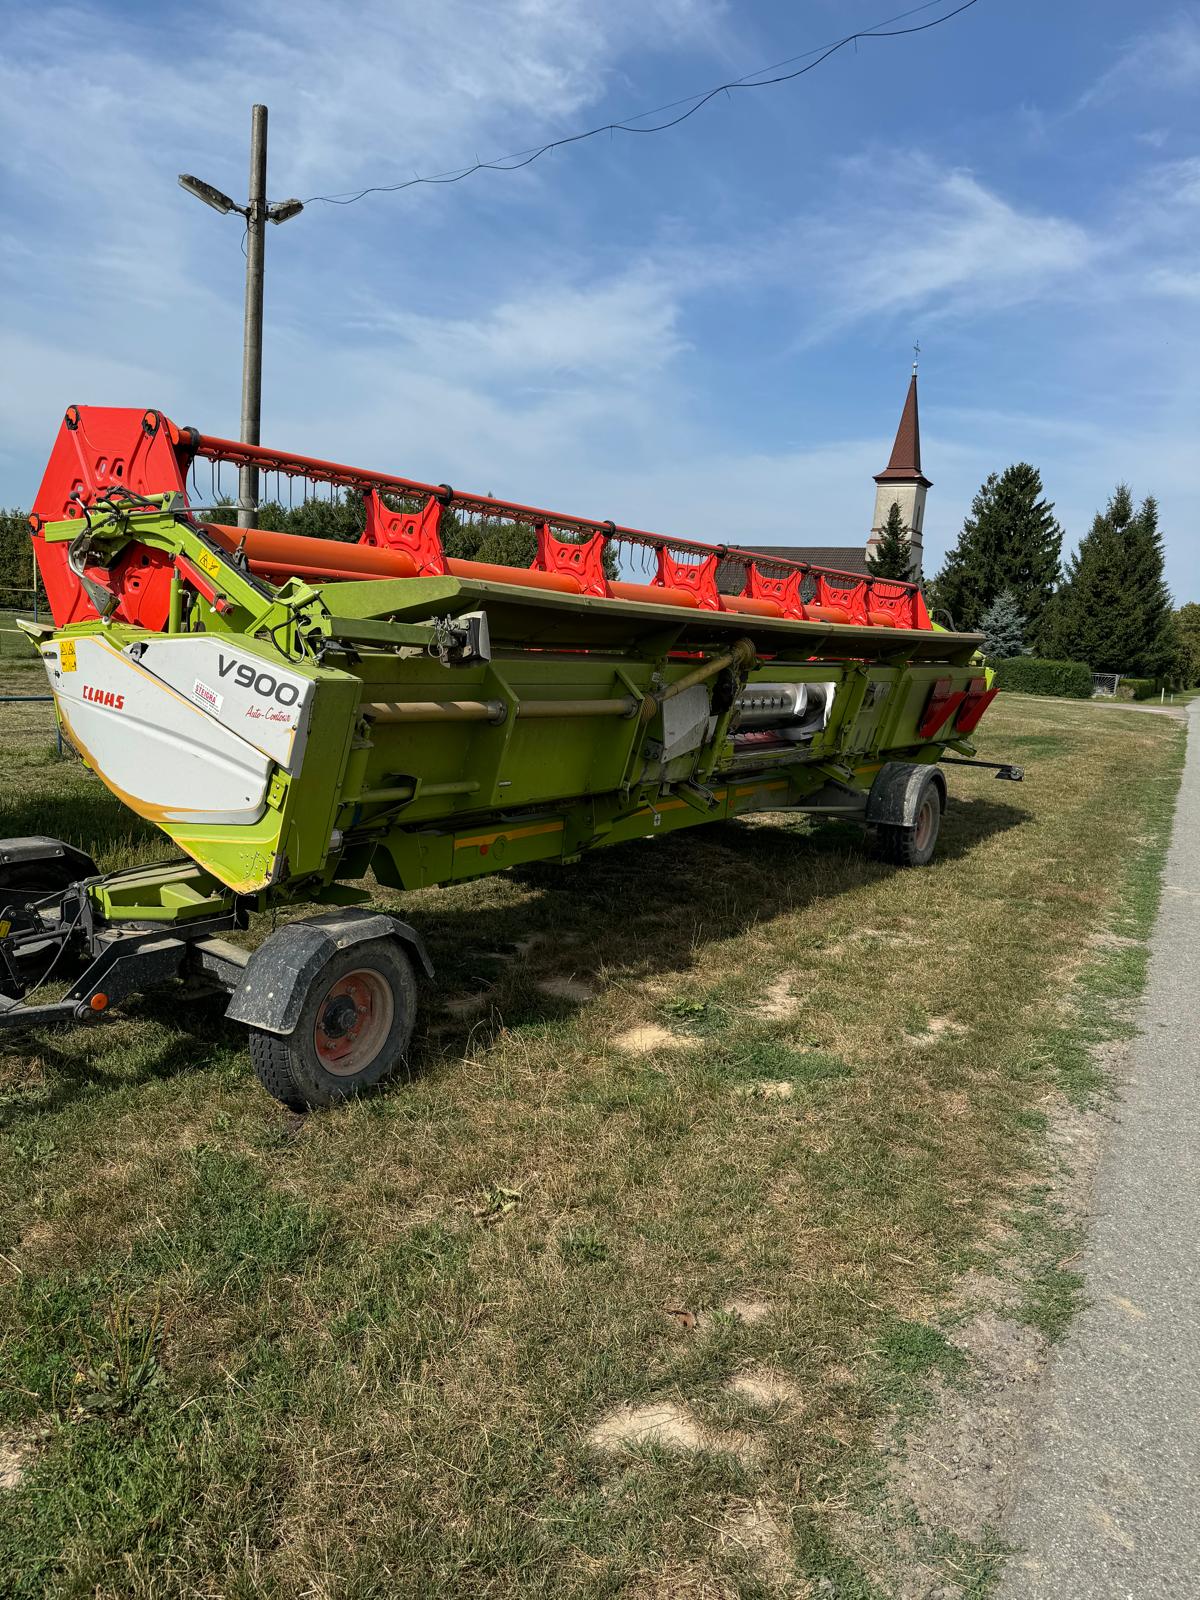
893 553
1011 540
1078 627
1003 627
1114 610
1153 646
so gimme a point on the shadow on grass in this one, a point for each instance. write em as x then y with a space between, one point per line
644 909
115 1058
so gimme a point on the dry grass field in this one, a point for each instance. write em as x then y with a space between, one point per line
618 1295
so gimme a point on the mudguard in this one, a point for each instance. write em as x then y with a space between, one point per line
34 867
280 972
895 797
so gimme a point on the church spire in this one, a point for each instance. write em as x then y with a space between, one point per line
905 463
902 482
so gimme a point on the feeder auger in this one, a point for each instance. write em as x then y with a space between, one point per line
296 712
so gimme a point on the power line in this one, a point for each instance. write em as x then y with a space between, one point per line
751 80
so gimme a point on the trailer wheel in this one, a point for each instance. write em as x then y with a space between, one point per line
913 845
353 1031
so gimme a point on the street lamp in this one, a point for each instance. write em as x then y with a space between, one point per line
256 211
283 209
211 197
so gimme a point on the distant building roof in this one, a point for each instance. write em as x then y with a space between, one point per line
841 557
905 463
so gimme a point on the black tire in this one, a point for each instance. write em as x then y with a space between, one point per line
913 846
299 1068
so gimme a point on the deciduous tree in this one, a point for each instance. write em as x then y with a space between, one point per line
16 563
1187 627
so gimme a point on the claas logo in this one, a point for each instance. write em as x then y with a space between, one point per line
104 697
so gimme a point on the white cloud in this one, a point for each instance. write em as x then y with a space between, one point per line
365 95
1178 284
611 326
1177 183
130 276
1161 60
906 234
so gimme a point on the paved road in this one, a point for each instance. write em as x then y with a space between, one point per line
1110 1509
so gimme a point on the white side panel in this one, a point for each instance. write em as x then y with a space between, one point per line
264 704
164 755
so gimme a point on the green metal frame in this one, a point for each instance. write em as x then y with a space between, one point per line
435 796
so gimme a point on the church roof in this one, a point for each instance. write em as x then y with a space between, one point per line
905 463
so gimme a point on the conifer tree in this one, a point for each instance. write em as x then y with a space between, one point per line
893 553
1152 642
1003 627
1114 610
1079 625
1011 540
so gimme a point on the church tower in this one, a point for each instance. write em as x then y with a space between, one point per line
903 481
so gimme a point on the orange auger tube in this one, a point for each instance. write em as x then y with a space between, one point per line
650 594
487 572
280 556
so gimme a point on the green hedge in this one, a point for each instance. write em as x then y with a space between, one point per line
1145 688
1028 675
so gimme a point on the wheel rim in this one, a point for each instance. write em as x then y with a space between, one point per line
353 1020
925 823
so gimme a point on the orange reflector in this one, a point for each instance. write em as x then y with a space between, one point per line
99 1002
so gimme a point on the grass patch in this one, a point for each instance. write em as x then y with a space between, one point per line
755 1060
363 1351
1052 1300
916 1350
906 1359
231 1231
1047 1249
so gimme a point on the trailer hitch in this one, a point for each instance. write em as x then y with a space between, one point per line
1002 769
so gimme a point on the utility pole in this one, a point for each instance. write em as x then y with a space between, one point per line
256 242
257 213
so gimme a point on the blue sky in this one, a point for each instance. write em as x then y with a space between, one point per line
706 332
